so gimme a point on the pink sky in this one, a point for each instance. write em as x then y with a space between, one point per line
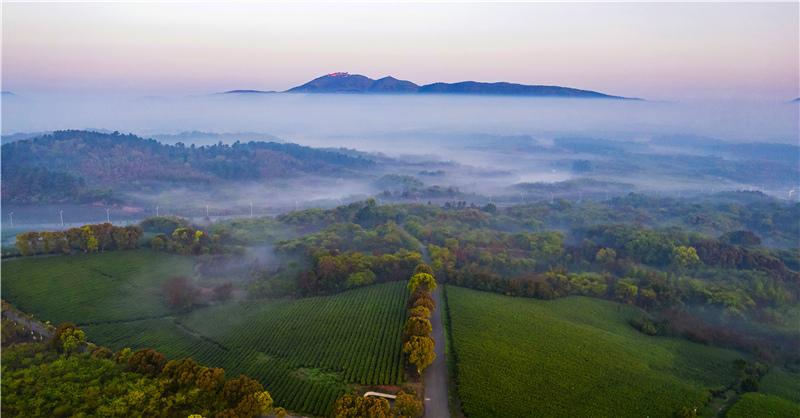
657 51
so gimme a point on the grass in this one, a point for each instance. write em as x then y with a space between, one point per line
573 357
306 352
759 405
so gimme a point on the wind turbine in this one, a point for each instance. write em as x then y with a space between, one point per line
108 216
11 218
61 215
156 210
251 209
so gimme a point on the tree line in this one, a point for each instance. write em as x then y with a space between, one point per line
85 239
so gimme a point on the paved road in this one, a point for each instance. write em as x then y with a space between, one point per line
436 374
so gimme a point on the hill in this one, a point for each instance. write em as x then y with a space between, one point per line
74 166
342 82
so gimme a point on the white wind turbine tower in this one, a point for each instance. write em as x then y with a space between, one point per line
251 209
156 210
11 218
61 215
108 216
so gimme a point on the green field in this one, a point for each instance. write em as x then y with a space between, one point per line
778 396
306 352
117 285
759 405
783 383
572 357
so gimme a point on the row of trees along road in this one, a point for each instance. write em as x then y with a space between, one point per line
417 342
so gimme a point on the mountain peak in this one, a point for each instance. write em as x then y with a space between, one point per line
344 82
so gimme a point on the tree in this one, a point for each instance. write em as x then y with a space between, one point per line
159 242
684 257
626 291
606 256
416 326
25 244
91 243
744 237
361 278
210 379
72 340
422 280
67 338
181 293
237 388
148 362
420 312
407 405
423 268
422 299
102 353
181 373
351 405
254 404
420 352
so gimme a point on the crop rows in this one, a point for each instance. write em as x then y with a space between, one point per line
573 357
306 352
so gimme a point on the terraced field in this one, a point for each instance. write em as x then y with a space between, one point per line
572 357
306 352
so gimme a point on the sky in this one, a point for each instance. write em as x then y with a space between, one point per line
658 51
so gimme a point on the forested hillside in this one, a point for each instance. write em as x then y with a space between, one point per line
82 166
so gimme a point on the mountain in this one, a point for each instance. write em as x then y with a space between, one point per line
355 83
511 89
393 85
73 166
247 92
336 83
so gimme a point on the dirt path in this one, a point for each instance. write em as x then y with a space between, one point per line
36 326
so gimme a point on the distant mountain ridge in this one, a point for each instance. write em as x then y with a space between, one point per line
248 91
343 82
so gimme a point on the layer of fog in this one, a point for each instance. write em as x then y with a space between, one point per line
482 146
356 120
